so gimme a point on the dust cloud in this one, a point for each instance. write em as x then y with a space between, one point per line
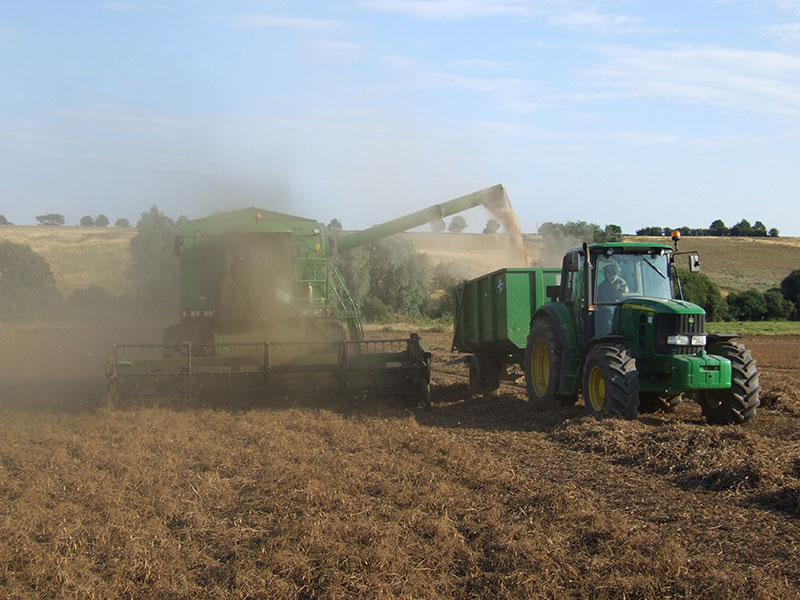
503 211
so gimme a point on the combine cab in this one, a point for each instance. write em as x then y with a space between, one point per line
264 312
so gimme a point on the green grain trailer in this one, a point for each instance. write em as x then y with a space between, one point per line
492 320
615 330
264 310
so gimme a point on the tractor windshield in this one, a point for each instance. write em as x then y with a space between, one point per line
623 275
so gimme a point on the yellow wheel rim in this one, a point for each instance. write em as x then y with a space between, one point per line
540 368
597 389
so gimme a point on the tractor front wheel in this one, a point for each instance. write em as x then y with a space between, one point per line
738 403
610 382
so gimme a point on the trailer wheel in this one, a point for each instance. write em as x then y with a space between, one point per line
653 402
423 394
737 404
484 374
542 361
610 382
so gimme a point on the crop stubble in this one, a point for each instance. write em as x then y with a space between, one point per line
329 498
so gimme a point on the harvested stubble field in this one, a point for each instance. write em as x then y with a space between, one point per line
331 498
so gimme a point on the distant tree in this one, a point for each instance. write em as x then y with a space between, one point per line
492 226
667 231
612 233
773 232
580 231
335 226
790 287
742 228
4 221
154 267
354 266
400 277
699 289
651 231
778 307
181 221
438 225
747 306
87 221
101 221
718 228
26 280
122 223
457 224
759 229
51 220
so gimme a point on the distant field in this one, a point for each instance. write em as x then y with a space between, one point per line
83 256
79 256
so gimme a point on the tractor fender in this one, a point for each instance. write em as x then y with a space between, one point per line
718 338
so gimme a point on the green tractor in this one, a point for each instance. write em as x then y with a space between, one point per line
617 329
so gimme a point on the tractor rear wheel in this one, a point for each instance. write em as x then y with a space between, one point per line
738 403
484 374
542 361
610 382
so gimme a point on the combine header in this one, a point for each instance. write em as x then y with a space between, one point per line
264 312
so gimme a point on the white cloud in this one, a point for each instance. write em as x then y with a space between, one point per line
450 10
761 81
270 21
787 33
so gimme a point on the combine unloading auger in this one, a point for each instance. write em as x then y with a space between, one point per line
264 312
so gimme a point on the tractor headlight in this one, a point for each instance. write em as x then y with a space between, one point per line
698 340
678 340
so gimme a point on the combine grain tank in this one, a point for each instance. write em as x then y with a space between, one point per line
264 311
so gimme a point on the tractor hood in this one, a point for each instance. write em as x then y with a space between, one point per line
662 306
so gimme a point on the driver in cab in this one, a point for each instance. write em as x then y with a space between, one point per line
612 288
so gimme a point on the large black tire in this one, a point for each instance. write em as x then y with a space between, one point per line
542 361
484 374
610 382
739 403
652 402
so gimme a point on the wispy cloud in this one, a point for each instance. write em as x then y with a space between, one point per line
450 10
787 33
302 24
515 94
762 81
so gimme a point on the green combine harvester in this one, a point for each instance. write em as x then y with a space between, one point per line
264 312
610 325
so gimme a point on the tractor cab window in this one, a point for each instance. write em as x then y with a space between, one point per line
623 275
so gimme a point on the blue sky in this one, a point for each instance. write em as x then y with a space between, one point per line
609 111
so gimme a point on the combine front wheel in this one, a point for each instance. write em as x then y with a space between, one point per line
610 382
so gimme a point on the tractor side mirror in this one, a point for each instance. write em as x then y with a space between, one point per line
694 262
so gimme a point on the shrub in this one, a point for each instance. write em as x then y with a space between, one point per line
747 306
700 290
26 281
154 266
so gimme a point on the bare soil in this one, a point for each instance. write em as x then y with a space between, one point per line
488 497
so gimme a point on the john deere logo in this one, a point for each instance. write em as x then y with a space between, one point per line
691 319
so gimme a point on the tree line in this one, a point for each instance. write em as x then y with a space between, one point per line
57 220
716 229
